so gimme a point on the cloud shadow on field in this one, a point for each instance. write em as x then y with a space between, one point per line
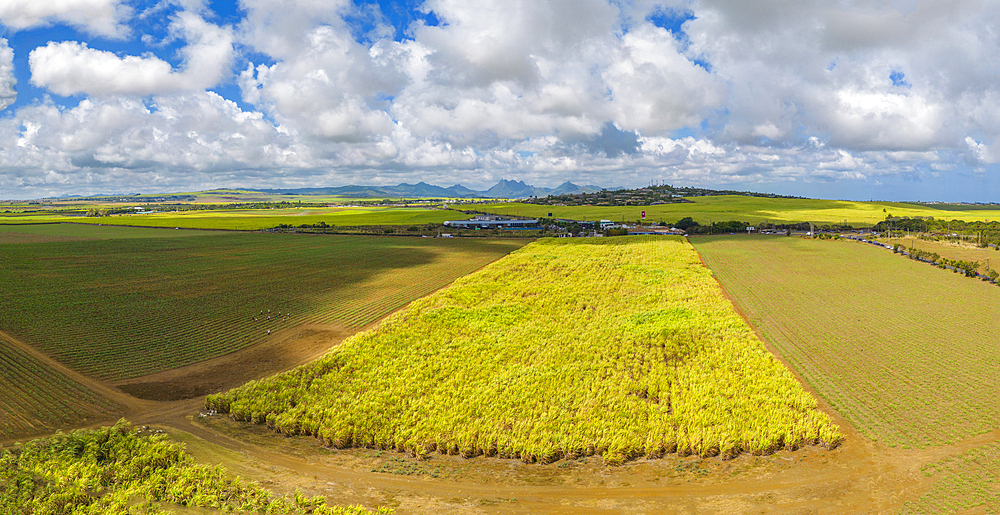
123 308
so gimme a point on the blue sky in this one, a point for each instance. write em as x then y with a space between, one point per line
895 100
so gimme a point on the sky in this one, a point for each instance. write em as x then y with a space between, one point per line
889 100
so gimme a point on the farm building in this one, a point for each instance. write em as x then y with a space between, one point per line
492 222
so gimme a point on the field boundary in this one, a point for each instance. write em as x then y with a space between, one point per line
904 251
171 412
495 325
823 405
152 227
213 433
238 356
94 385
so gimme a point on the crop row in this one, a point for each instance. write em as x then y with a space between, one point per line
903 351
123 308
622 347
35 398
961 483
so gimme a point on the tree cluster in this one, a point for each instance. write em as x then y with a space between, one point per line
650 195
688 225
980 233
968 268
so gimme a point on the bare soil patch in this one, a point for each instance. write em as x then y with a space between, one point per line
860 476
857 477
280 351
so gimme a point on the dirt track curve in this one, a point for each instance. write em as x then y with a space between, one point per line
858 477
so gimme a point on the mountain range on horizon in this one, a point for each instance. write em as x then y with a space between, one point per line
503 189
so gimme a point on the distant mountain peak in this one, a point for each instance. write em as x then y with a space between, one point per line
505 188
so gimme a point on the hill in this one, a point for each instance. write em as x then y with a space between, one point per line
648 196
503 189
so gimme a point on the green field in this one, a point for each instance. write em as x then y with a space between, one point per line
51 232
257 219
754 210
115 470
905 351
36 399
254 219
987 257
38 217
961 484
217 196
124 307
622 347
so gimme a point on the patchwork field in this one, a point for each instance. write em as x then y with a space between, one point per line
257 219
250 219
570 355
704 210
124 307
619 347
754 210
903 350
217 196
51 232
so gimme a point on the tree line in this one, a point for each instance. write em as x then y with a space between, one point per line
980 233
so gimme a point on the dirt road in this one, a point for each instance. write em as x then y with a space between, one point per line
858 477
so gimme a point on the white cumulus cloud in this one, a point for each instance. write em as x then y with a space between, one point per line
169 142
8 94
861 75
743 93
100 17
71 67
491 74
